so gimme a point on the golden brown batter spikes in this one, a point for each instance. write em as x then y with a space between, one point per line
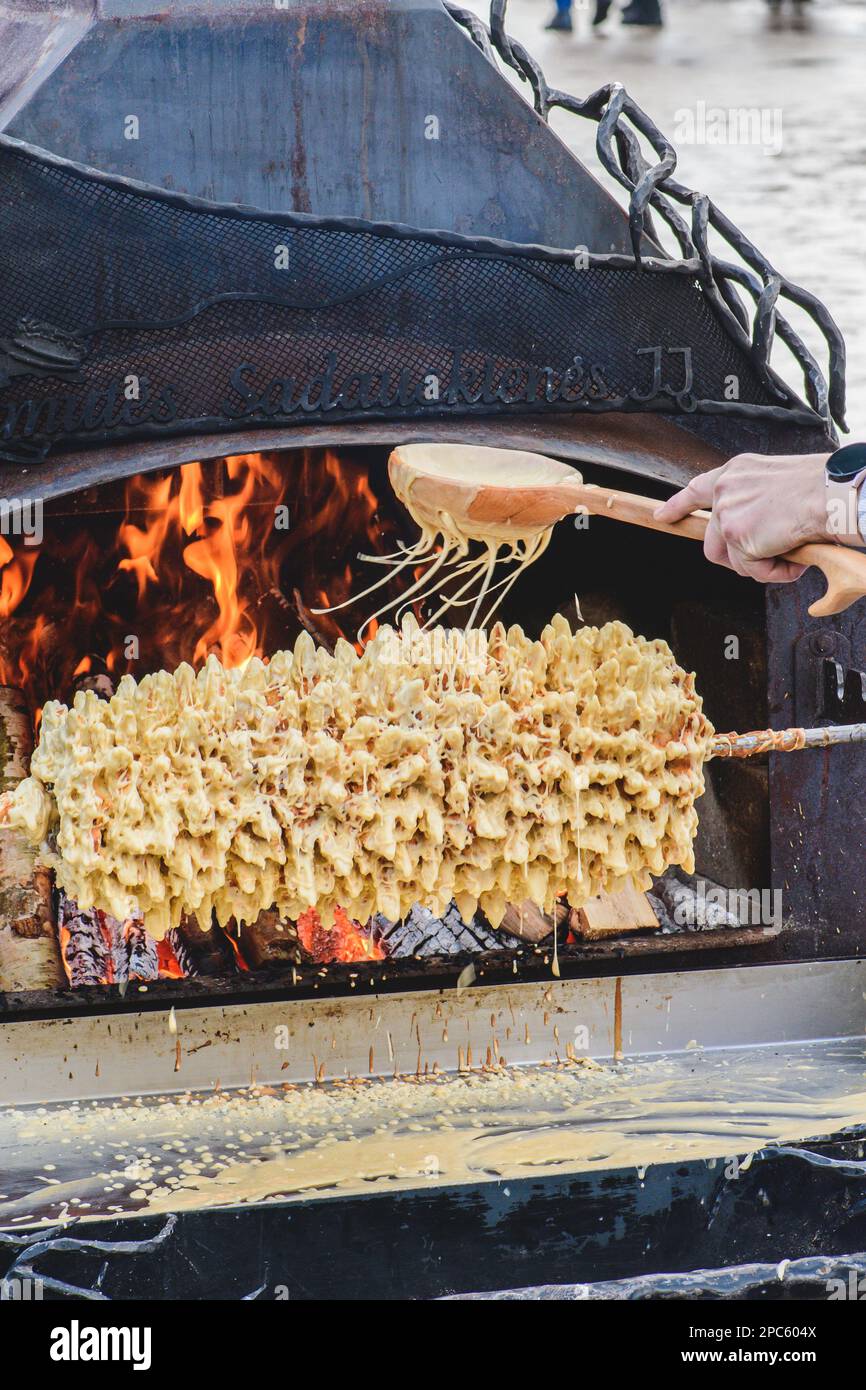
437 765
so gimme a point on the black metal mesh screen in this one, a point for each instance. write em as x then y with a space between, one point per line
127 311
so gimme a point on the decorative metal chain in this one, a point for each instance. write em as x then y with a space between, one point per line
652 188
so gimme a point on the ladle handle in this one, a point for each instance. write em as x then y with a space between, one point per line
631 507
844 569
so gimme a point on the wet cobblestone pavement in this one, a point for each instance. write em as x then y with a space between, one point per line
799 190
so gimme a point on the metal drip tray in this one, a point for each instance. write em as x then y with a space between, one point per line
155 1113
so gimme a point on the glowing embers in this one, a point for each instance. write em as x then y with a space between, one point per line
346 941
97 949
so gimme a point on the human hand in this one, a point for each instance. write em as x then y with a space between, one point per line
762 505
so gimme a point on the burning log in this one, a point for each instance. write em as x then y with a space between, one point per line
528 921
267 941
308 622
99 950
88 950
139 954
272 942
93 674
96 948
29 951
199 952
693 904
345 941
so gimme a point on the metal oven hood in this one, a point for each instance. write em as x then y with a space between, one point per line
310 127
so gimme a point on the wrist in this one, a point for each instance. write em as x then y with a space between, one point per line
861 511
845 471
843 508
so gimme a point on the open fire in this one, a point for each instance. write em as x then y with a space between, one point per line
228 558
233 557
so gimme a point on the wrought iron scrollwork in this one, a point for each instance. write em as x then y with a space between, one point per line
61 1240
56 1240
652 188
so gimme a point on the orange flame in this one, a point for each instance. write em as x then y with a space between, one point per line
169 965
206 558
215 558
190 499
17 575
347 941
146 546
225 549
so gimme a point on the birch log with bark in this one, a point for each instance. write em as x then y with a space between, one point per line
29 949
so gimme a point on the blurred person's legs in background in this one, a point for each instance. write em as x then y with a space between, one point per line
562 20
647 12
797 8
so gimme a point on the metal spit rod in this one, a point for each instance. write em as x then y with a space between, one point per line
735 745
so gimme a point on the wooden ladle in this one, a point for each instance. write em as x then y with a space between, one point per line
507 494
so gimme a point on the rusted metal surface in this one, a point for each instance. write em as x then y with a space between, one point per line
817 806
650 446
313 107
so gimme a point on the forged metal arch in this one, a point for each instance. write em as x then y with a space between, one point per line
652 188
